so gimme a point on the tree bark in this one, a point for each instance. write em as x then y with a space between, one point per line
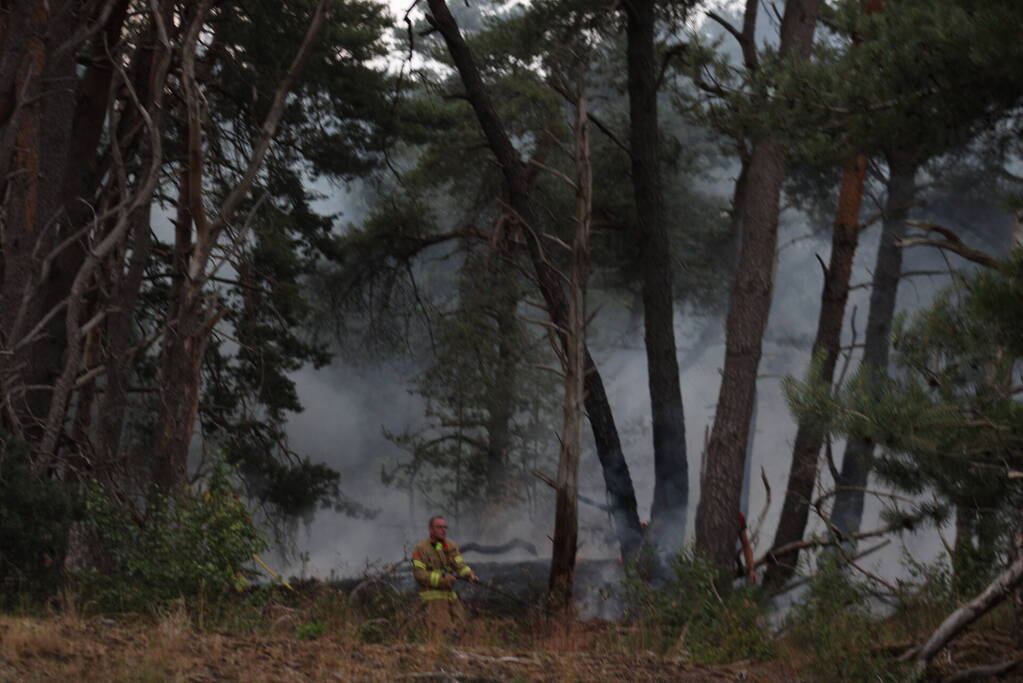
36 136
747 317
847 513
118 340
671 471
826 346
566 521
616 473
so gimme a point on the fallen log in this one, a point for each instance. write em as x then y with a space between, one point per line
956 622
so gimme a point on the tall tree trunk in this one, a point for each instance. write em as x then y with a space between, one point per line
500 401
847 512
118 338
826 346
35 141
192 315
671 471
185 338
616 472
717 514
566 521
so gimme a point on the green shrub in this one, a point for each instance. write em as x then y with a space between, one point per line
929 589
197 544
691 614
310 630
36 512
834 624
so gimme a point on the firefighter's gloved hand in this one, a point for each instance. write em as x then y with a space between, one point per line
473 578
448 580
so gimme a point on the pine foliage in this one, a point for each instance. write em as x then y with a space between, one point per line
949 419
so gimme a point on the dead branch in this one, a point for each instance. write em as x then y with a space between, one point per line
906 274
951 242
956 622
859 556
981 673
124 209
767 505
549 480
745 40
273 116
830 541
553 171
848 355
601 126
871 492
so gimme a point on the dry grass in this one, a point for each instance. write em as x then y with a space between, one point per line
171 649
265 643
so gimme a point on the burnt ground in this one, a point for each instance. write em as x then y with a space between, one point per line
506 586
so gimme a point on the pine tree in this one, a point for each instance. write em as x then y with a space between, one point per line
948 421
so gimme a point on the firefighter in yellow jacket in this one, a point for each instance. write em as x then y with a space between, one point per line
437 564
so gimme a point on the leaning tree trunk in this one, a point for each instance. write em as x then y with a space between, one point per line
954 624
616 472
671 471
747 317
847 512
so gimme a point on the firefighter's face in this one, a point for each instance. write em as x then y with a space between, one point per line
439 529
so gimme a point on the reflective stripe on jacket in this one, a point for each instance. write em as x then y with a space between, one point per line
431 561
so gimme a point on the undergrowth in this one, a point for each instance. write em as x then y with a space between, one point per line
691 616
197 546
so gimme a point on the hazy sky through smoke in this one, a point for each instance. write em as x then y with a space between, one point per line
347 407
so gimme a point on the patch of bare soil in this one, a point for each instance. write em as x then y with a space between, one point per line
100 649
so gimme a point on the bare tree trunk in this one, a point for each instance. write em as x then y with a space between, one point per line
118 340
616 472
826 346
191 317
671 470
847 513
566 523
747 317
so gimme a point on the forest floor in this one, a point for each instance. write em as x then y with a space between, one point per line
170 649
66 648
370 631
